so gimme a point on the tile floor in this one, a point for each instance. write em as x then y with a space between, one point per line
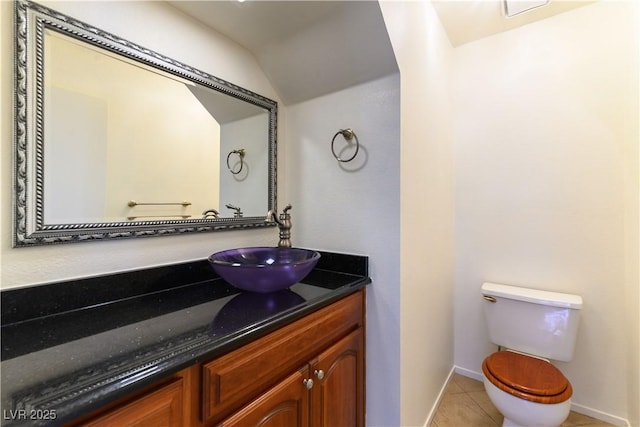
466 404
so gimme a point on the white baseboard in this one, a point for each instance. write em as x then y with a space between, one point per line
434 409
468 373
581 409
602 416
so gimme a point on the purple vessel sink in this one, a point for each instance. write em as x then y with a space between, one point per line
264 269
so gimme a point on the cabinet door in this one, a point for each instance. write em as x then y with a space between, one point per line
234 379
338 391
286 404
159 408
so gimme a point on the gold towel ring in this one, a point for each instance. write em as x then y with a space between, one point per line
348 134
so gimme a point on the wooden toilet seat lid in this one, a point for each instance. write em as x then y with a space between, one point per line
528 377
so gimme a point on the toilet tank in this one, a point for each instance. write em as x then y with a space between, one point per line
532 321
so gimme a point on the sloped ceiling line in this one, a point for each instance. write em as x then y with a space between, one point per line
306 48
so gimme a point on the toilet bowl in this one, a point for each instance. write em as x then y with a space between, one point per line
535 326
528 391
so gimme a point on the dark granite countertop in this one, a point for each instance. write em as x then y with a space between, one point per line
71 347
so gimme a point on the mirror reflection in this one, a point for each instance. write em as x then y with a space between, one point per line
127 142
114 140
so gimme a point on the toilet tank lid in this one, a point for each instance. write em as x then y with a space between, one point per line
555 299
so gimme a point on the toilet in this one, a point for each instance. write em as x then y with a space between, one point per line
531 327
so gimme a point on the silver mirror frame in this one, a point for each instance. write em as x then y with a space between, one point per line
29 226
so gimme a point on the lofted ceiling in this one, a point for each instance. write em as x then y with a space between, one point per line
311 48
256 24
306 48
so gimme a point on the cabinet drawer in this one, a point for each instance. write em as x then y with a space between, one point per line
239 376
159 408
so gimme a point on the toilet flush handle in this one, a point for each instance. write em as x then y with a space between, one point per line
489 298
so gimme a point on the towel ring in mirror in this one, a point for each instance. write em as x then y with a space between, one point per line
240 154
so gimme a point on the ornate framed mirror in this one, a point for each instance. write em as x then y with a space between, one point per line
113 140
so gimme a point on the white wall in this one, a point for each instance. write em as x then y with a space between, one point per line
424 54
76 118
544 117
146 23
632 230
354 208
245 189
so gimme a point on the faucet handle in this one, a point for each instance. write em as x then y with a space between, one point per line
237 211
272 215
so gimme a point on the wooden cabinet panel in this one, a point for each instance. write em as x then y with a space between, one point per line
239 376
286 404
160 408
338 392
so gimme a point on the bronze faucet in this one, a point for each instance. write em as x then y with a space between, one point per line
284 224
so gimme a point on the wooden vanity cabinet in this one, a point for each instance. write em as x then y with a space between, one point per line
326 392
307 373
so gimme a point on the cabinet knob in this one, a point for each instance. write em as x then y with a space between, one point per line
319 373
308 383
